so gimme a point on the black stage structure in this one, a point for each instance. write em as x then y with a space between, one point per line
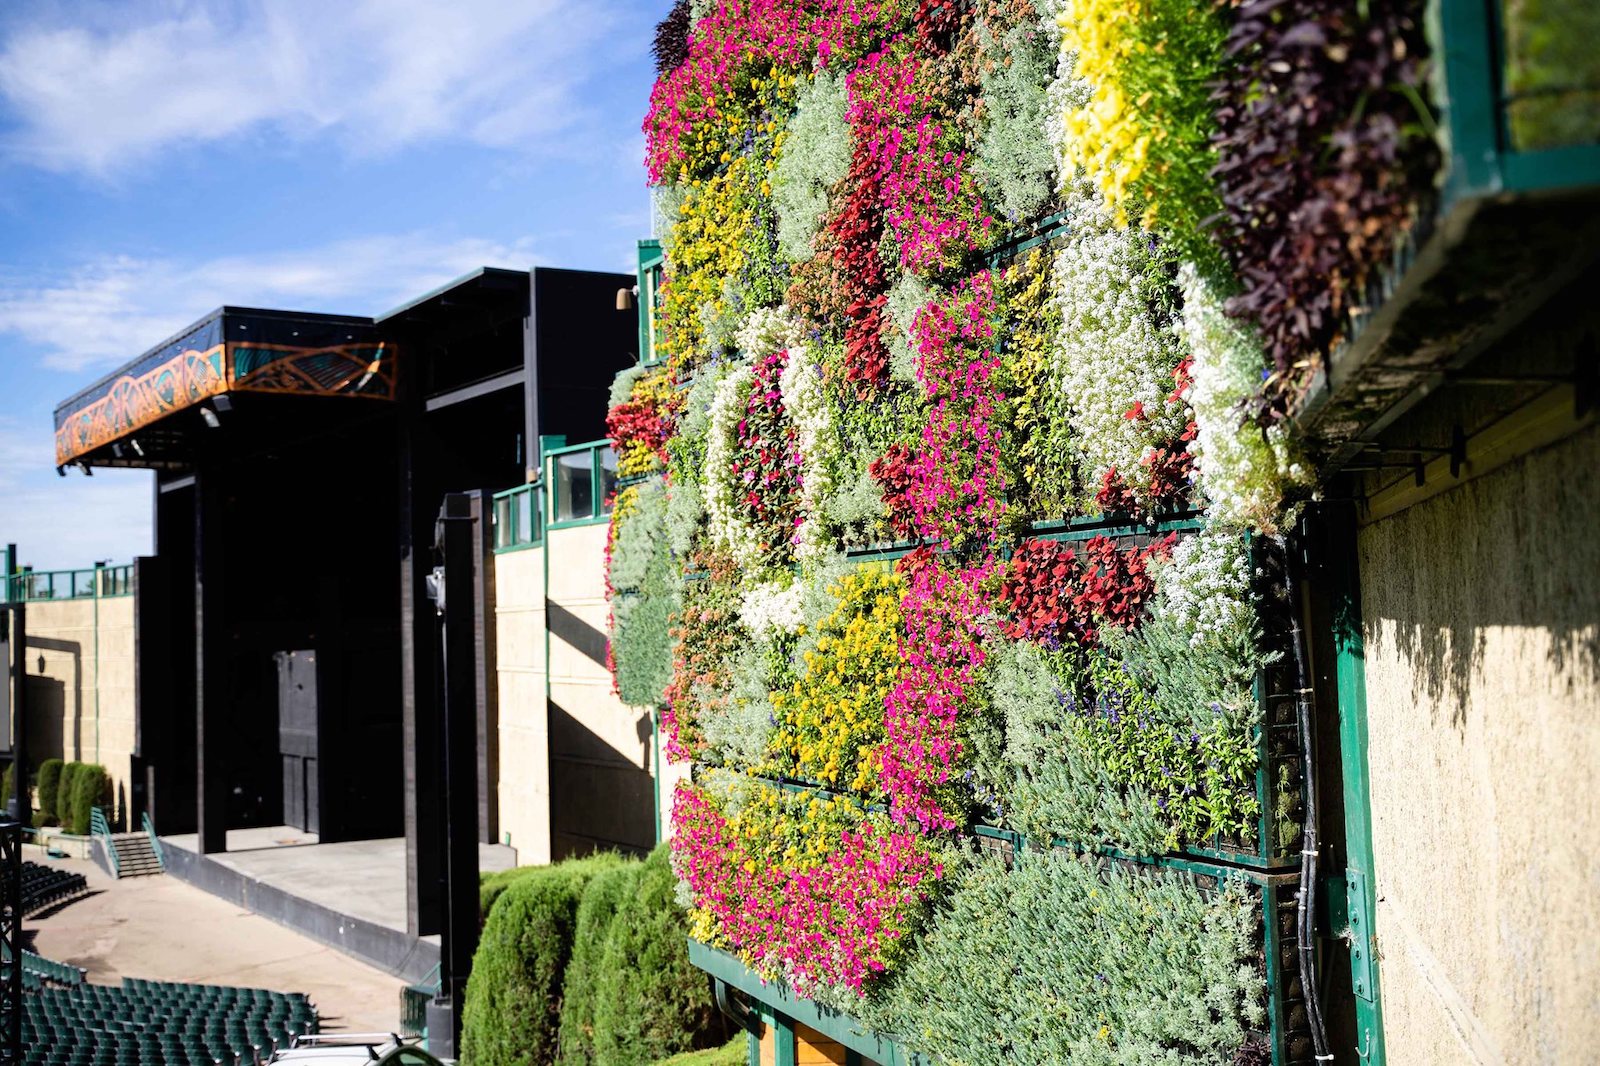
287 653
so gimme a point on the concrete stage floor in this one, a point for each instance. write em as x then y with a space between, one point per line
350 895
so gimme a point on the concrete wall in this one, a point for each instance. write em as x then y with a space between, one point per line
81 693
524 786
600 750
1480 614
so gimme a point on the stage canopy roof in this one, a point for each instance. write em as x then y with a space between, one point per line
134 416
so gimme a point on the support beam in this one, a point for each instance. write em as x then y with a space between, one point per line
511 379
418 684
212 655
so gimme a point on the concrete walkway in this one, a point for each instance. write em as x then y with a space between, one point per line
160 928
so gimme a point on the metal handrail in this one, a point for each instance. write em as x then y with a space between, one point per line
81 584
99 827
155 841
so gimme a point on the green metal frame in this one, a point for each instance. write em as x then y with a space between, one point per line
510 536
1350 671
27 585
600 507
1482 161
651 263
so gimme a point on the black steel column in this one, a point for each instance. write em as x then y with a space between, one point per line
11 937
18 802
419 650
211 665
486 674
457 540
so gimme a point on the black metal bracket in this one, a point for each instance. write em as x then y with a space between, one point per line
740 1014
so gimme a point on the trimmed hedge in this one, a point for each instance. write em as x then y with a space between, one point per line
606 894
50 787
69 773
8 783
492 885
649 1001
735 1052
514 993
90 788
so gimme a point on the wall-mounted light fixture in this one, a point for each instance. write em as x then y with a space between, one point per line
625 298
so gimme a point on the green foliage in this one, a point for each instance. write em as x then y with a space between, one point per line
8 783
44 819
597 913
514 993
622 385
686 457
650 1001
735 1052
492 885
50 787
91 787
69 771
644 578
1015 165
81 786
1060 960
814 156
1552 72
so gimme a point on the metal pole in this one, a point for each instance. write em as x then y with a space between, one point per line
11 936
18 802
456 540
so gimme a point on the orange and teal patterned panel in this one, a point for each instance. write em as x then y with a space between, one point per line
177 375
286 354
348 369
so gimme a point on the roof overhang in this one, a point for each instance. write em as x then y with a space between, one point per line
231 350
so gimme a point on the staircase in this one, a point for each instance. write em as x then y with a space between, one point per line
136 855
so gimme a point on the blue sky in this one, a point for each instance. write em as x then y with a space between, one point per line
159 158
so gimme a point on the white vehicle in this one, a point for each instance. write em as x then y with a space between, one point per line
355 1049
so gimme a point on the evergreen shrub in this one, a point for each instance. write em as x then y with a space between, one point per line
514 993
650 1002
50 786
735 1052
597 913
64 794
91 787
8 784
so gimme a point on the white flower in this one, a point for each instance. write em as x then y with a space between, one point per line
1205 586
772 606
805 404
767 330
1117 350
1243 471
726 523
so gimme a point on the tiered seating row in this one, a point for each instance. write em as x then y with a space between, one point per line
44 885
146 1023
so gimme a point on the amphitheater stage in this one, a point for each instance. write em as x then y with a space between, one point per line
350 895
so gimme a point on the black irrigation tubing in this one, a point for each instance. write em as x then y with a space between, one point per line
1307 895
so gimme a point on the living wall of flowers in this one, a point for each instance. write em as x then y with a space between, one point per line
955 502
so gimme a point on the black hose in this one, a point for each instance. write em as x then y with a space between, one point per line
1306 909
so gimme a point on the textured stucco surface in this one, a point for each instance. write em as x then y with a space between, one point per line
524 786
66 719
1481 615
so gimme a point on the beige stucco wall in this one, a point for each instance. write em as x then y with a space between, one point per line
524 787
82 700
1481 615
600 748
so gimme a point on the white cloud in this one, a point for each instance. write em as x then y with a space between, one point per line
104 86
68 523
103 313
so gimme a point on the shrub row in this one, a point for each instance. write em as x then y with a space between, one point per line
67 793
585 961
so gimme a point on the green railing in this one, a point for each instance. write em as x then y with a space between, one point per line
651 266
155 841
414 1001
582 479
519 518
100 828
99 581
